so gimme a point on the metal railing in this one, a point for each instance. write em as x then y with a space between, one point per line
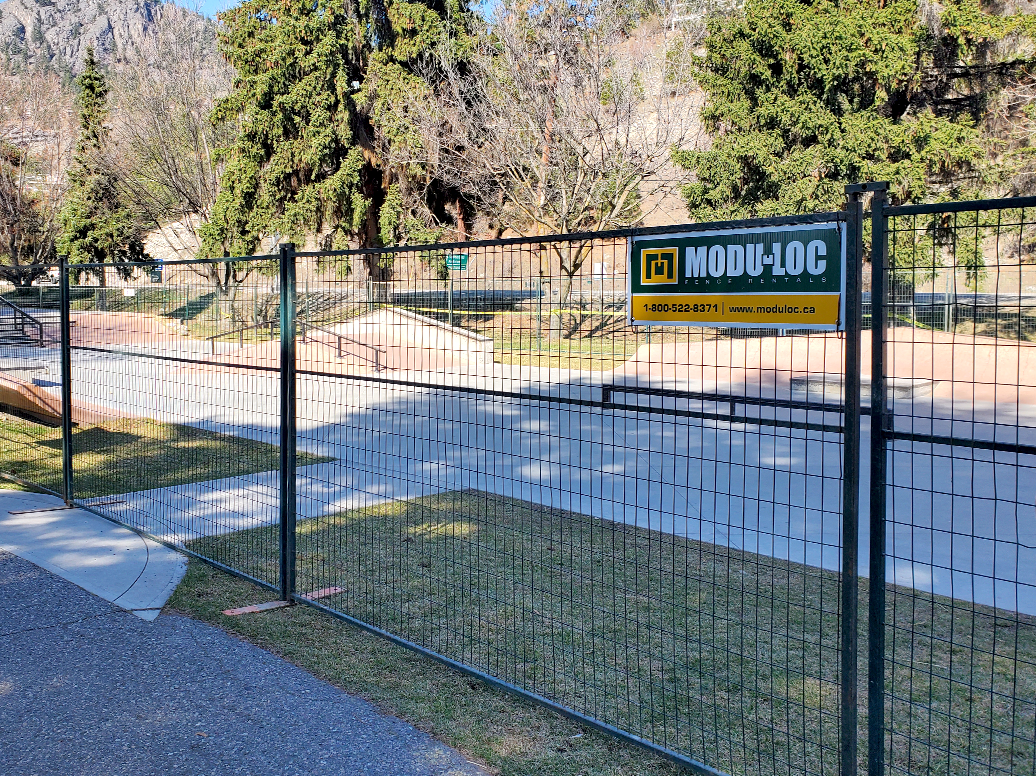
15 320
270 326
378 353
305 330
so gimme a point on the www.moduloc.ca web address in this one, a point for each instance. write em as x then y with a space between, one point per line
779 309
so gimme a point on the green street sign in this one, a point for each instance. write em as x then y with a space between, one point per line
457 262
766 277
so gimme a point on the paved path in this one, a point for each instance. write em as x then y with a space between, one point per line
87 689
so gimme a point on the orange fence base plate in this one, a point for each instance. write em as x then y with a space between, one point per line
281 604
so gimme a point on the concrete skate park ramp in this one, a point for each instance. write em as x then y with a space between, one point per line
386 339
944 365
27 399
88 329
36 402
96 328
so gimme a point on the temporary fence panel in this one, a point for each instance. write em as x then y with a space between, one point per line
640 527
652 529
179 380
953 590
30 367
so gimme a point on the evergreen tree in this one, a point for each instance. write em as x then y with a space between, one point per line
321 87
804 96
96 225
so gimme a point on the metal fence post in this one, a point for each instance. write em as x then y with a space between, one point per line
288 409
66 381
878 464
851 482
451 297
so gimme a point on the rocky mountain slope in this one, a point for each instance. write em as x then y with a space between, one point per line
55 33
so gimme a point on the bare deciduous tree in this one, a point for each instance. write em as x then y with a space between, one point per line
1012 121
563 118
162 144
37 135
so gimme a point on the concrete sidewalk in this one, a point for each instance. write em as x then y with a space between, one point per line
90 690
110 561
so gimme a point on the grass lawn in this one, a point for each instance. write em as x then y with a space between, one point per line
131 454
597 351
729 656
509 735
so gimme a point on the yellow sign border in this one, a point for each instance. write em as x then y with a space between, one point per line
807 310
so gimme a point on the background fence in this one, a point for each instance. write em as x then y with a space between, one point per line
652 530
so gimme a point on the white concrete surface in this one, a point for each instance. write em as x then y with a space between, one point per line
99 556
391 325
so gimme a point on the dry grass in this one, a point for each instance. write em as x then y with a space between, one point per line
1005 325
510 736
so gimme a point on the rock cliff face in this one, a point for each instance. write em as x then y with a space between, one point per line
57 32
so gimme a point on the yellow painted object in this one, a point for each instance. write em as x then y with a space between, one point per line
736 309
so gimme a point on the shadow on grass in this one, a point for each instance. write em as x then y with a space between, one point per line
94 437
192 308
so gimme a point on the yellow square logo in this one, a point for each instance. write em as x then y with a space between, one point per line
658 266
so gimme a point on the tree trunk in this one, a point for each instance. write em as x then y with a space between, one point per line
102 289
375 184
563 297
233 294
379 279
462 225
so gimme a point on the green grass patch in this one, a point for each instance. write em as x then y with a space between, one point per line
640 629
596 351
728 656
131 454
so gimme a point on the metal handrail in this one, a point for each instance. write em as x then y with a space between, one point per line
608 390
304 328
24 315
271 325
378 352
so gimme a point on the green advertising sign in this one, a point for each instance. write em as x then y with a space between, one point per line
767 277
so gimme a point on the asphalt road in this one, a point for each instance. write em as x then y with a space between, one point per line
87 688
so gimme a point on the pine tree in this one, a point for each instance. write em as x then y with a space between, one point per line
96 224
320 87
804 96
